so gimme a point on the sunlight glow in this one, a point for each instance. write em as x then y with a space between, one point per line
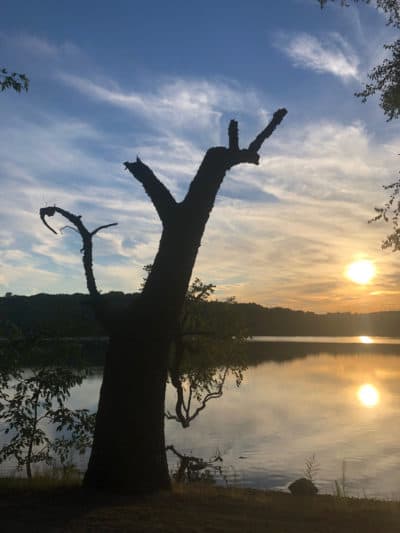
368 395
361 271
364 339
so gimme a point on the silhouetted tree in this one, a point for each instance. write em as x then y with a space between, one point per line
128 452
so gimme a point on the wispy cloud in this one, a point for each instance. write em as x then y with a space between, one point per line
332 54
177 104
33 45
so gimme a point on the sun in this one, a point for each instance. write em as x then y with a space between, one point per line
368 395
361 272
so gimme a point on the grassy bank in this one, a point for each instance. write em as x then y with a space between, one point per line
198 508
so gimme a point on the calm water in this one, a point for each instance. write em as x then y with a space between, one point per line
360 339
286 411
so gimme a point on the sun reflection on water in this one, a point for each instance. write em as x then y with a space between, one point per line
368 395
364 339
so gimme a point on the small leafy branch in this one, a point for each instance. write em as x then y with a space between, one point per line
384 78
390 212
33 403
13 80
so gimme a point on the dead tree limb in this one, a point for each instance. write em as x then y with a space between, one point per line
162 199
219 160
268 131
211 172
87 244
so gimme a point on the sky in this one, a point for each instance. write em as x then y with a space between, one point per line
110 81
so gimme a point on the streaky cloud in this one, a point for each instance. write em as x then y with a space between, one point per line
177 103
331 55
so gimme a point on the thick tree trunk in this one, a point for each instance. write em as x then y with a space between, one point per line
129 447
129 450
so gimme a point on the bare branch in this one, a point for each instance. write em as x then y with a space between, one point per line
68 227
49 212
162 199
86 236
250 155
204 187
268 131
103 227
74 219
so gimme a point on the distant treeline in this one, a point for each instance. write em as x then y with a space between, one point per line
65 315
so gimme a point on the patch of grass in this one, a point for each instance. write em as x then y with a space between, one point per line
44 483
187 509
341 486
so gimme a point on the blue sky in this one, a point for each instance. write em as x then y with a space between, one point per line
110 81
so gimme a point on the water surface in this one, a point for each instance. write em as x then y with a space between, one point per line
359 339
287 410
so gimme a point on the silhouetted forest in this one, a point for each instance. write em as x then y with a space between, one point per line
65 315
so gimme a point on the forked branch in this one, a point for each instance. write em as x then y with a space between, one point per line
250 155
218 160
87 244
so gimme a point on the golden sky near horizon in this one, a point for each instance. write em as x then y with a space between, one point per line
283 233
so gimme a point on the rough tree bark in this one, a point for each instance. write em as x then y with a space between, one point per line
129 449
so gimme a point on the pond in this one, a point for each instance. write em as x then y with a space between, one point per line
338 403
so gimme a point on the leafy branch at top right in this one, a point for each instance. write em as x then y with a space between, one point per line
384 80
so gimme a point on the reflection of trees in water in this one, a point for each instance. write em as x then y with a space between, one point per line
196 388
191 468
204 348
199 366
